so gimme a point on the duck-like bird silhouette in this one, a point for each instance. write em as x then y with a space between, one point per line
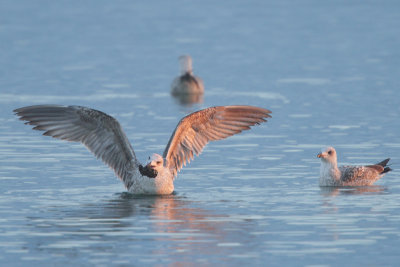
104 137
187 82
332 175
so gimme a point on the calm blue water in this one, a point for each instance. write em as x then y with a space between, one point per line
329 71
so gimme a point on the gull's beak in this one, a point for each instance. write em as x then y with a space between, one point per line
320 155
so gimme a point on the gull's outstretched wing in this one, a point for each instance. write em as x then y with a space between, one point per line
99 132
197 129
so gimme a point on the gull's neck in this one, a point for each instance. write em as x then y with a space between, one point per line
186 71
164 181
329 173
186 65
162 184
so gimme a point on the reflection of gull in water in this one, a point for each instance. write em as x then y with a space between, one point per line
351 190
187 83
104 137
188 99
332 175
121 218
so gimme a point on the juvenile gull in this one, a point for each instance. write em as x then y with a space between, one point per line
187 82
332 175
104 137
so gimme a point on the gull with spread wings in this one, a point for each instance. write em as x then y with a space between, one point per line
104 137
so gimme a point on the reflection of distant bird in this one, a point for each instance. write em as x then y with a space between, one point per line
187 83
188 99
332 175
104 137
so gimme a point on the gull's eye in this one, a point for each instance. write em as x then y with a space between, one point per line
330 152
158 162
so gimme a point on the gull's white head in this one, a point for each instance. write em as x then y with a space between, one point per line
155 162
328 155
185 63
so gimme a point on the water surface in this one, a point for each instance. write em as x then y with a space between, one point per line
328 71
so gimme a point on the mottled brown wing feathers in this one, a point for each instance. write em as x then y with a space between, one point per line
194 131
359 174
99 132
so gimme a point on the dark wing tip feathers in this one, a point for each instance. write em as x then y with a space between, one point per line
383 163
387 169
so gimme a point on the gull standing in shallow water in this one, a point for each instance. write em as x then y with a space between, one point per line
187 83
104 137
332 175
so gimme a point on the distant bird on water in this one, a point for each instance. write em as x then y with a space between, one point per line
104 137
332 175
187 82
